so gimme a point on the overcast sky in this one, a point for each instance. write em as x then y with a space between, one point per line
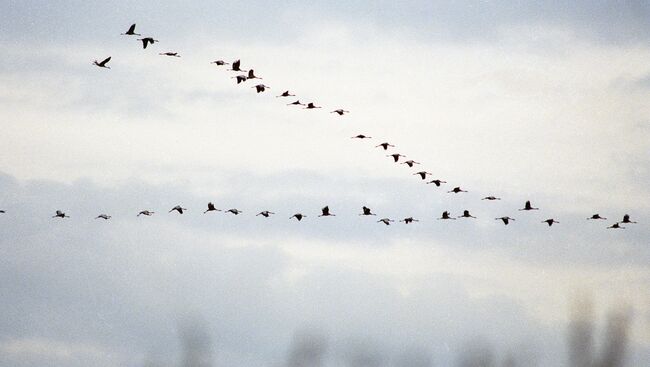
525 101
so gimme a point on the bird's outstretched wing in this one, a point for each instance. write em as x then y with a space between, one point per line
131 28
106 60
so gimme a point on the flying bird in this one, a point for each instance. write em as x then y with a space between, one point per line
410 162
527 206
220 62
236 66
436 182
103 216
172 54
409 220
491 198
2 211
131 31
251 74
178 209
260 88
264 213
340 111
240 78
234 211
422 174
298 216
385 146
296 103
550 221
148 213
361 136
505 220
626 219
286 94
456 190
60 214
326 212
446 215
366 211
147 41
466 214
386 221
211 208
396 156
103 63
596 216
311 106
616 226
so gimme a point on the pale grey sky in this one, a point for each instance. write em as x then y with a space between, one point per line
515 99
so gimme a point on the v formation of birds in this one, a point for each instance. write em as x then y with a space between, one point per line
325 211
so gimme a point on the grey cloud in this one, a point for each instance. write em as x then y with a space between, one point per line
45 21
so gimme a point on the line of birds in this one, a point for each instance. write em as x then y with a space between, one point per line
396 157
365 211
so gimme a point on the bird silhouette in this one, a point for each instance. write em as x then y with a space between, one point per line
366 211
466 215
264 213
626 219
236 66
234 211
296 103
178 209
550 221
326 212
60 214
505 220
385 146
147 213
386 221
616 226
131 31
596 216
211 208
409 220
527 206
103 216
456 190
446 215
396 156
240 78
436 182
340 111
103 63
311 106
491 198
410 163
260 88
147 41
172 54
220 62
251 74
361 136
2 211
298 216
422 174
286 94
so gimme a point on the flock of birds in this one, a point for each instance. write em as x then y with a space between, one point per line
325 211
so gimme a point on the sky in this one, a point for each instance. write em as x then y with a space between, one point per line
522 100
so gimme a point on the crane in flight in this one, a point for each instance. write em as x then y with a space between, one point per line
178 208
131 31
103 63
211 208
60 214
147 41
